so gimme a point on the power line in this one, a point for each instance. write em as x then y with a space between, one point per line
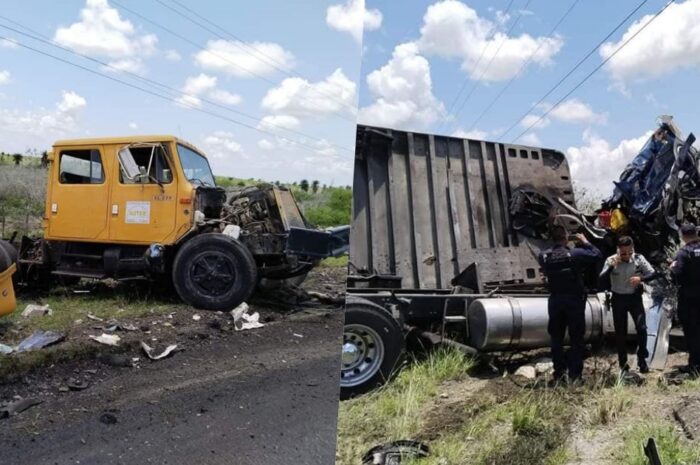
217 55
43 39
571 71
493 57
594 70
478 61
156 94
522 67
266 58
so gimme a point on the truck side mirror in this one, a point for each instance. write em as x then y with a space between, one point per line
167 176
128 164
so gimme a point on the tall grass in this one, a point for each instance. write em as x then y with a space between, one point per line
674 449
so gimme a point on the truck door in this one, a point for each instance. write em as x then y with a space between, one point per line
142 210
78 195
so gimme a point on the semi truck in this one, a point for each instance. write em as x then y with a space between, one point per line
148 207
444 239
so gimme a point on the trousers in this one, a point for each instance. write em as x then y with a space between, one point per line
689 316
623 304
567 313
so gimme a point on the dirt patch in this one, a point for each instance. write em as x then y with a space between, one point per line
687 414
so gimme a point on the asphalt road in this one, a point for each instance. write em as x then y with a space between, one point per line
266 396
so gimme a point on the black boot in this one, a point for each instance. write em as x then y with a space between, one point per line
643 367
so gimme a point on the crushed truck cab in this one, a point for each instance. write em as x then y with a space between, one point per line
148 207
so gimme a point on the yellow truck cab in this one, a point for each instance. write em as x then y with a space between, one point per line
148 207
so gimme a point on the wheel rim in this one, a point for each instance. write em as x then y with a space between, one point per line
213 273
363 353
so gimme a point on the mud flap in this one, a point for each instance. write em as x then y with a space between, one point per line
658 331
332 242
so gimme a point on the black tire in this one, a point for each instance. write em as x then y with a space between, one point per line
214 272
364 367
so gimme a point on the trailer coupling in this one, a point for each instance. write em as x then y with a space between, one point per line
332 242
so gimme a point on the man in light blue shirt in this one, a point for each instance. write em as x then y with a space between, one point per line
625 272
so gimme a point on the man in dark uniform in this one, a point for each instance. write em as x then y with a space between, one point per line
564 268
686 273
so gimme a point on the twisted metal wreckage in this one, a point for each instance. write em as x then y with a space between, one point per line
446 233
656 192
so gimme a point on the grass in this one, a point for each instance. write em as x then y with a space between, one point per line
394 411
674 449
335 262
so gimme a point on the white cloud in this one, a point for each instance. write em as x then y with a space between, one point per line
576 111
172 55
451 29
8 43
403 92
4 77
222 145
301 98
195 85
535 121
530 139
128 65
203 84
272 122
34 125
102 32
242 59
666 45
597 164
133 125
473 134
265 144
225 97
353 17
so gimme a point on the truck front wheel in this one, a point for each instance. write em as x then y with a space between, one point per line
214 272
373 343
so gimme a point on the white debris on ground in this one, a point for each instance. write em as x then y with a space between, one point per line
36 310
196 317
107 339
526 371
151 351
242 320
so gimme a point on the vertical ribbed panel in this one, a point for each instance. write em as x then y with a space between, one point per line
425 207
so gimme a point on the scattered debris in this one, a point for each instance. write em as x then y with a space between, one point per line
327 298
93 317
544 366
393 453
107 339
39 340
242 320
298 335
121 327
526 371
18 406
32 310
108 418
150 351
5 349
77 384
196 317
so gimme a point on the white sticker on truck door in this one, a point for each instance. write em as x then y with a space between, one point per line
138 212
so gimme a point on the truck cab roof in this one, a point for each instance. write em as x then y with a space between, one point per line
125 140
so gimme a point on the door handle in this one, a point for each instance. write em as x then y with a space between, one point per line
54 208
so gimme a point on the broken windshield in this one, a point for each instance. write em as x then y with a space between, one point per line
195 166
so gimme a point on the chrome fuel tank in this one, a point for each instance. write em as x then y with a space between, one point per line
517 323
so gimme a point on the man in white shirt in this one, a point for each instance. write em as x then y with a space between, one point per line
625 272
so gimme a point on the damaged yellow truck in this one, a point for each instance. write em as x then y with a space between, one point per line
148 207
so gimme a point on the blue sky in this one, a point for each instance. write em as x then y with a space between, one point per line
415 63
296 68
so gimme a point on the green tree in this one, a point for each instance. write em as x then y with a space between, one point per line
304 185
17 157
314 186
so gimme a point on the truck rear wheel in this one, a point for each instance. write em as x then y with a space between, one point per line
373 344
214 272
